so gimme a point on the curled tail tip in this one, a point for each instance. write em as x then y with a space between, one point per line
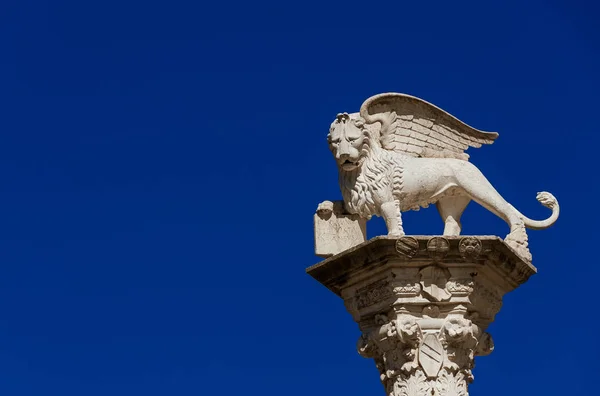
547 199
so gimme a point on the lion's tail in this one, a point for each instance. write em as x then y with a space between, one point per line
549 201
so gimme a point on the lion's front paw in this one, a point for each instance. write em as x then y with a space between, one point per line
396 233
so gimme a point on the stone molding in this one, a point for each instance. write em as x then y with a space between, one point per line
411 251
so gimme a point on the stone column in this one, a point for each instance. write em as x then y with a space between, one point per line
423 305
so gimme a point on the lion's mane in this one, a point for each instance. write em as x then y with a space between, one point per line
376 172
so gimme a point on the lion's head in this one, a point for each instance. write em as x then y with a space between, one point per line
349 141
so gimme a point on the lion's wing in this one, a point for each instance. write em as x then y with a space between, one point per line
418 128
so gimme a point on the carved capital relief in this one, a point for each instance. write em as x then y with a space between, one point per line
459 337
407 288
460 286
426 342
422 361
406 282
373 293
446 384
393 344
432 283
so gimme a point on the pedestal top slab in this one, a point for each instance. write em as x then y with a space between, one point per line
488 253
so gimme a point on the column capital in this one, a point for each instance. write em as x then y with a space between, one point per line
423 304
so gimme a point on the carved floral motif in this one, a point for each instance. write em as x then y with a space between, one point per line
446 384
449 384
415 385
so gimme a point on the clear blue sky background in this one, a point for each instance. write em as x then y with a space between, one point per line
161 162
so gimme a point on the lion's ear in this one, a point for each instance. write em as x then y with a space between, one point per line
418 128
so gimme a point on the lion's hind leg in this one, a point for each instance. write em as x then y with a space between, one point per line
474 183
517 238
451 208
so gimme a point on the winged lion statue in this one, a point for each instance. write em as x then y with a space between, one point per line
401 153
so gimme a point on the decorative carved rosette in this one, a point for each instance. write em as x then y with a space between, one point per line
470 248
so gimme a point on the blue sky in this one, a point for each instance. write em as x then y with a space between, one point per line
161 162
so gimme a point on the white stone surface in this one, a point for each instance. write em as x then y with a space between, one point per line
431 355
402 153
423 305
336 231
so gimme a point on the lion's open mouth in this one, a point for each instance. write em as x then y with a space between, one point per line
348 165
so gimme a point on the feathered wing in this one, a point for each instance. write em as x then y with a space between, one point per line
418 128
